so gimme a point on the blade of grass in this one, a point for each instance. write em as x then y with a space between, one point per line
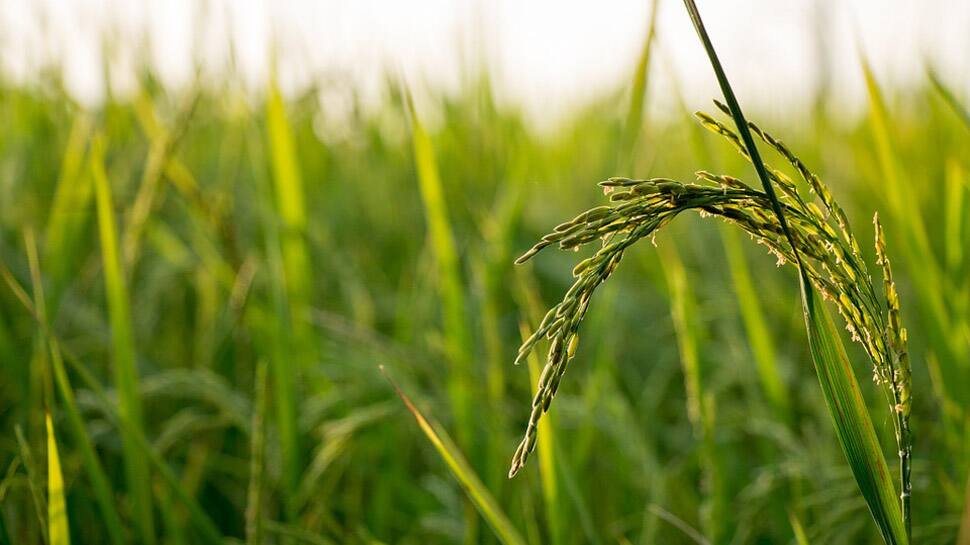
853 424
679 523
293 342
288 183
843 397
172 521
470 483
33 482
700 407
89 458
456 333
948 96
755 325
59 530
69 210
796 525
254 500
752 315
123 347
953 217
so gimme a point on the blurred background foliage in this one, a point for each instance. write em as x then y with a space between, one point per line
262 232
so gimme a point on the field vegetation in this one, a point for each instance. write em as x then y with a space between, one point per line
230 317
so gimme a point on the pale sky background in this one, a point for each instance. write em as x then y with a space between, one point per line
546 55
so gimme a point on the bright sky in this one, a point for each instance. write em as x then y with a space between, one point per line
546 54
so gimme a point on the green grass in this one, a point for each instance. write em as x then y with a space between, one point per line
58 531
123 346
200 285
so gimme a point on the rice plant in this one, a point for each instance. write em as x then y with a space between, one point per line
813 235
821 233
197 285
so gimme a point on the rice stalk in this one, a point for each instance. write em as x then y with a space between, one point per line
796 231
641 207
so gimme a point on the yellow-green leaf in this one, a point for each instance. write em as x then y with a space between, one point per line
58 530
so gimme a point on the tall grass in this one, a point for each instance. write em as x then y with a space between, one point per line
123 346
277 250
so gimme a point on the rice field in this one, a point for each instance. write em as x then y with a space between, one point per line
226 319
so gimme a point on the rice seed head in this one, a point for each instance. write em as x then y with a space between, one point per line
821 232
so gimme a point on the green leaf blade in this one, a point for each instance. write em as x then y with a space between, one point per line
853 424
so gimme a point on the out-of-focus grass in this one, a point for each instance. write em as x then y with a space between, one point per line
278 233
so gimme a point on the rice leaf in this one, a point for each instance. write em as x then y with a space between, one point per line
852 423
58 531
293 343
288 184
69 210
458 344
796 525
123 347
89 457
953 215
948 96
464 474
